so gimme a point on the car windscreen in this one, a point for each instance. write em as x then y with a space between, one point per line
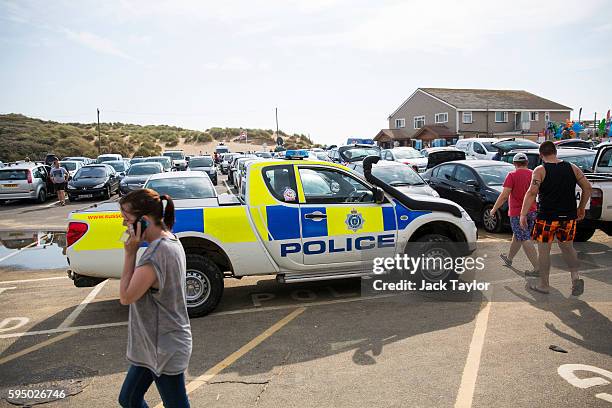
138 160
163 160
489 146
117 165
264 155
201 162
143 169
106 159
175 155
183 187
357 153
397 175
494 175
508 145
90 172
583 161
69 166
13 174
407 154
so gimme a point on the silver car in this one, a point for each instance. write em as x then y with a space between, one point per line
25 180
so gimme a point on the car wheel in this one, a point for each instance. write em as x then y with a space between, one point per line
491 223
108 193
583 234
432 246
204 285
42 196
72 197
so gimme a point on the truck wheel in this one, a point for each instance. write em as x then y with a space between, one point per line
583 234
433 246
204 285
491 223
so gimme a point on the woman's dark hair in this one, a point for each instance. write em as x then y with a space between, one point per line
148 202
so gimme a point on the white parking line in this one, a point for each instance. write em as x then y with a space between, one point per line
33 280
52 204
76 312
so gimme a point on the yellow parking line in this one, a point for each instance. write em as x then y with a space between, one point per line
36 347
232 358
465 395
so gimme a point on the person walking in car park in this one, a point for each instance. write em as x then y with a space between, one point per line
59 177
515 187
554 183
159 332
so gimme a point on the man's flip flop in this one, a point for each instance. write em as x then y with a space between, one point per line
536 289
578 287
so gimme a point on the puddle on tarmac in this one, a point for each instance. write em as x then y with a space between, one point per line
33 250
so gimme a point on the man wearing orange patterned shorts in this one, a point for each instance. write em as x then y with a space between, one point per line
554 182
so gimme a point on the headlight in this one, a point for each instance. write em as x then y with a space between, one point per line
466 215
71 187
99 185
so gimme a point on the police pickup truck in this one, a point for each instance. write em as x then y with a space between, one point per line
300 220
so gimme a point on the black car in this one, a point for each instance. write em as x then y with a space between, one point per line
205 164
98 180
137 175
474 185
439 155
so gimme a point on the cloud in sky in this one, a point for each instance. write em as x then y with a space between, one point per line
96 43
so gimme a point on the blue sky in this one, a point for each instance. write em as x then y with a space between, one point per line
333 68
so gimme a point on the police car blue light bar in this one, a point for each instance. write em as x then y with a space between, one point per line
296 154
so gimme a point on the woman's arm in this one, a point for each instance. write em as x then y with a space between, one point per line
135 283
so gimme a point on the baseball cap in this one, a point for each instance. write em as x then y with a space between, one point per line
519 157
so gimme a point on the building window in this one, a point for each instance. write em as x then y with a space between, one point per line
400 123
547 116
501 117
533 116
441 117
419 122
467 117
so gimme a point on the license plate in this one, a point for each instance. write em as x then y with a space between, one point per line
10 185
87 196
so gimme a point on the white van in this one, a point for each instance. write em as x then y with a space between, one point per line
479 148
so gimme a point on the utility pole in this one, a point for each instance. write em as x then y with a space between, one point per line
99 137
276 114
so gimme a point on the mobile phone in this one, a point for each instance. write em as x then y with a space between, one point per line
143 225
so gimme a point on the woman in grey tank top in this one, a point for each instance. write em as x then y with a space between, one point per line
159 333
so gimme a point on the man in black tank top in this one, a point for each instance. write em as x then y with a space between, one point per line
554 183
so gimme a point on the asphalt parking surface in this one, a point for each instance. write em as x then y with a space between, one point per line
325 344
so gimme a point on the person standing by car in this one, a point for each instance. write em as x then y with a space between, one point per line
59 177
515 187
554 183
159 333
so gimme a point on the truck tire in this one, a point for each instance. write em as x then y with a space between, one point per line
583 234
204 285
432 245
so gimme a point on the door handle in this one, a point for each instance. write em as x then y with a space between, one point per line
315 216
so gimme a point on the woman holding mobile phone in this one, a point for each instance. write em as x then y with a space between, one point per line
159 332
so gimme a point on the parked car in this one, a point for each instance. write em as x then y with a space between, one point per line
475 186
439 155
137 160
233 174
406 155
166 162
137 175
71 166
177 157
264 155
354 153
318 155
120 166
84 160
480 148
94 180
50 158
108 157
226 159
205 164
582 158
585 144
402 177
505 145
25 180
195 185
